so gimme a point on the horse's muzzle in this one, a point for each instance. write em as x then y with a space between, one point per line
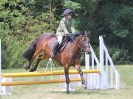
88 51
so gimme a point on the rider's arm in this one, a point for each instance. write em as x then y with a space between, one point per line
62 23
73 29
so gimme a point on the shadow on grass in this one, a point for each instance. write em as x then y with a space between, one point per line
87 92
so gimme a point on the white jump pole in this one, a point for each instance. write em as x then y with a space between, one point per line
103 75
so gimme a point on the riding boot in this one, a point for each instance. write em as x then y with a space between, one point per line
54 50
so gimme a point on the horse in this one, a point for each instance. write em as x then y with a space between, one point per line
40 49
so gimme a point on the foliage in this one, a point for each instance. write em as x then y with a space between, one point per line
21 21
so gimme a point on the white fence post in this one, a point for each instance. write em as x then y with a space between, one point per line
92 78
103 78
87 66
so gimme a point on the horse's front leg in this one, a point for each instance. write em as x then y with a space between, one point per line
66 70
81 75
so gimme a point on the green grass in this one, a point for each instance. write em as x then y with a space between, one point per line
51 91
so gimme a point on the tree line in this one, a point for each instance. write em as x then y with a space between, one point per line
22 21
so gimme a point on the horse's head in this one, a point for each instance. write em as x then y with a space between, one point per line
85 42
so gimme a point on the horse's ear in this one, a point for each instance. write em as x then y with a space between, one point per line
88 32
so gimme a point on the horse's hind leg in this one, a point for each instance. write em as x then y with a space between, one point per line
36 54
36 65
81 75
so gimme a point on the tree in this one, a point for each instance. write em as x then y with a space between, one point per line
22 21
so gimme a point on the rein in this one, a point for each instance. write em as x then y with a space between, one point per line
79 45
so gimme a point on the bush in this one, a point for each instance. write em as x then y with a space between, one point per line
119 56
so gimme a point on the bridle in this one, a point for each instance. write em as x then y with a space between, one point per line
79 45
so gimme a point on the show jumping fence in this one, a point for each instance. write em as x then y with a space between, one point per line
99 74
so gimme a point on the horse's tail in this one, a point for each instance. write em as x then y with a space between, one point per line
30 51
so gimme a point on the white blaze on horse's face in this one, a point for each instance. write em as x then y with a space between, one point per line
85 42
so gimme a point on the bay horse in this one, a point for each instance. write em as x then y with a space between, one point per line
69 56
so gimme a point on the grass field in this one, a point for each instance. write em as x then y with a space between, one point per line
51 91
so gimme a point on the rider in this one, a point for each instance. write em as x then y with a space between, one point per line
65 28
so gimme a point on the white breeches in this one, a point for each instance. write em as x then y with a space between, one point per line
59 37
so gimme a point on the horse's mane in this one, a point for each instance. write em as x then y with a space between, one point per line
53 34
78 34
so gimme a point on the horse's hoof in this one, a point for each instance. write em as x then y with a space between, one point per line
32 70
84 86
67 92
27 67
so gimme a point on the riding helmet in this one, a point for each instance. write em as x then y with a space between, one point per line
68 11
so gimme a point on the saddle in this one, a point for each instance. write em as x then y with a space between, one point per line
63 44
65 41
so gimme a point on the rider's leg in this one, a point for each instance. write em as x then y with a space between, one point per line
54 49
56 44
59 37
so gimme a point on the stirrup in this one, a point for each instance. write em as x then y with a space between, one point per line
50 59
